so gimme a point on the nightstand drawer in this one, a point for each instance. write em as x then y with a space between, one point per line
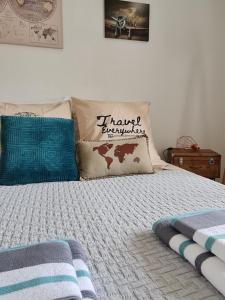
205 166
203 162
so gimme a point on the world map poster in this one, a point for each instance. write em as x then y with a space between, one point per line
31 22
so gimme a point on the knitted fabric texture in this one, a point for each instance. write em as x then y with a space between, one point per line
112 219
37 150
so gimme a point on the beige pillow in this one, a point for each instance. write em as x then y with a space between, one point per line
114 157
51 110
98 120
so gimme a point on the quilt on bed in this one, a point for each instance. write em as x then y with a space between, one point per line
111 218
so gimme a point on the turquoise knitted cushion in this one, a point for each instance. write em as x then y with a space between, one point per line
37 150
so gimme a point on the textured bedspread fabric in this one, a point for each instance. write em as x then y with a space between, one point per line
112 218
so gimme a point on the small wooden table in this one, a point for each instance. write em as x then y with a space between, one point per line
204 162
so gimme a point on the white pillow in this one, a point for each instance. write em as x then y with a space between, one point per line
98 120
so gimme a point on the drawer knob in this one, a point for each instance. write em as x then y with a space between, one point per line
181 161
211 161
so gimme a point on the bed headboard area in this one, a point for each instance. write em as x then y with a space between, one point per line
180 70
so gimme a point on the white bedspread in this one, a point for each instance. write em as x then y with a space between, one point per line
112 219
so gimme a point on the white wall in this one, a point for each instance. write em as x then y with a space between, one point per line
182 70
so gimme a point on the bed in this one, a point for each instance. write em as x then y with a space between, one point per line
112 218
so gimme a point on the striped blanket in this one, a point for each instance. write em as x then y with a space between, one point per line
50 270
199 237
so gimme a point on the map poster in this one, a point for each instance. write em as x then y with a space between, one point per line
35 23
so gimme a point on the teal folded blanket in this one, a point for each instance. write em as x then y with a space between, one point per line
199 237
50 270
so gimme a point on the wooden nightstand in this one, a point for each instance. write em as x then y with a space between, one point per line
203 162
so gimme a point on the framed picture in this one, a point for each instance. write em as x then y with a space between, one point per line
31 23
127 20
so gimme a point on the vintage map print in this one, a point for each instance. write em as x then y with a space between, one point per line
31 22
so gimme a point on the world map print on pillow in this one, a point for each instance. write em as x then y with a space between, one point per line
114 157
122 150
119 152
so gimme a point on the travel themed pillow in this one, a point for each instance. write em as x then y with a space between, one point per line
114 157
98 120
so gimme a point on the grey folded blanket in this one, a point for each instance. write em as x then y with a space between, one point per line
50 270
200 238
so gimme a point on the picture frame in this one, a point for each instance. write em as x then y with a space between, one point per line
127 20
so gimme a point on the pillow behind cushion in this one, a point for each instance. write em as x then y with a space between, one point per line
98 120
37 150
51 110
114 157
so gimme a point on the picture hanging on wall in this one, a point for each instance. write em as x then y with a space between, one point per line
127 20
31 23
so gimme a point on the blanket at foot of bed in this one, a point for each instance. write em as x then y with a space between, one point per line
178 232
49 270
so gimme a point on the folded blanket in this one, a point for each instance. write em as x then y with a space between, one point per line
206 228
45 271
206 263
82 271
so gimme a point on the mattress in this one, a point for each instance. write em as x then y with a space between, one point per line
112 218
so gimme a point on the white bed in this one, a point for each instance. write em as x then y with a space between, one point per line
112 218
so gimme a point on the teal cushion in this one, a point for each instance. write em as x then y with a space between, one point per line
37 150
